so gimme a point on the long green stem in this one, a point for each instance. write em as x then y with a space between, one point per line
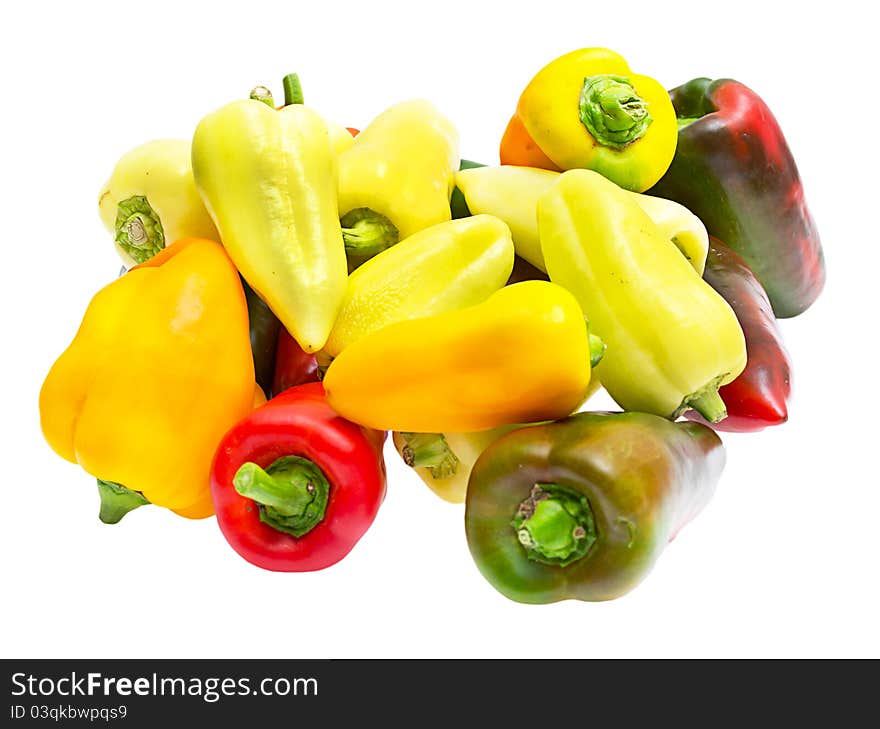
293 93
292 493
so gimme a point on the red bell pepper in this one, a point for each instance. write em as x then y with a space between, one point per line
759 396
294 485
293 365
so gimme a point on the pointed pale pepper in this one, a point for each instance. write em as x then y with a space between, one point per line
448 266
512 194
268 179
397 178
671 339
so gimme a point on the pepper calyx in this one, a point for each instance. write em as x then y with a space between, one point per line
117 501
555 524
706 401
366 233
612 111
292 493
430 450
139 230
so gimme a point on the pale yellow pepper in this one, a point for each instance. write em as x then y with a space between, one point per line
512 193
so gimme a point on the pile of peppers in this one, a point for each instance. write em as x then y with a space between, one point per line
295 290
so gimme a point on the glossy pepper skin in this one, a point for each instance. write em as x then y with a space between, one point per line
268 178
758 398
671 339
264 329
151 200
522 355
293 366
582 508
512 194
295 485
587 109
397 178
733 168
446 267
160 368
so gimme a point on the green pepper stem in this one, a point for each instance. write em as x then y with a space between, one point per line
555 524
264 94
710 405
138 229
597 350
117 501
293 93
430 450
292 493
612 111
366 233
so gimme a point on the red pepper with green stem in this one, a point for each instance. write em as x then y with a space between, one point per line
734 170
759 396
294 485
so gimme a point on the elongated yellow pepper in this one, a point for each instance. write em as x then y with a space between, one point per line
268 178
522 355
151 200
397 177
445 267
671 339
512 194
160 368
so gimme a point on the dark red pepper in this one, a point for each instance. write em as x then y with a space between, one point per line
293 365
294 485
759 396
734 170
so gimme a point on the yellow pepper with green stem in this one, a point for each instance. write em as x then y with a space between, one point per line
587 109
160 368
671 339
397 178
512 194
268 178
522 355
445 267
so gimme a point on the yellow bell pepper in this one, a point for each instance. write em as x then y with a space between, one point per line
397 178
512 194
671 339
151 200
268 179
520 356
160 368
442 268
587 110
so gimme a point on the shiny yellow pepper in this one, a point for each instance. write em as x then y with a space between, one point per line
160 368
671 339
445 267
588 110
512 193
522 355
397 178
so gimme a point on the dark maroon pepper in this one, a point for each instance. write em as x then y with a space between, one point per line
734 170
759 396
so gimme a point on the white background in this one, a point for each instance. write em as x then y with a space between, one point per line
783 562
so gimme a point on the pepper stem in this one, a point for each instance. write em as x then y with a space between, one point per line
597 350
117 501
138 229
264 94
293 93
430 450
292 493
366 233
706 401
555 524
612 111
